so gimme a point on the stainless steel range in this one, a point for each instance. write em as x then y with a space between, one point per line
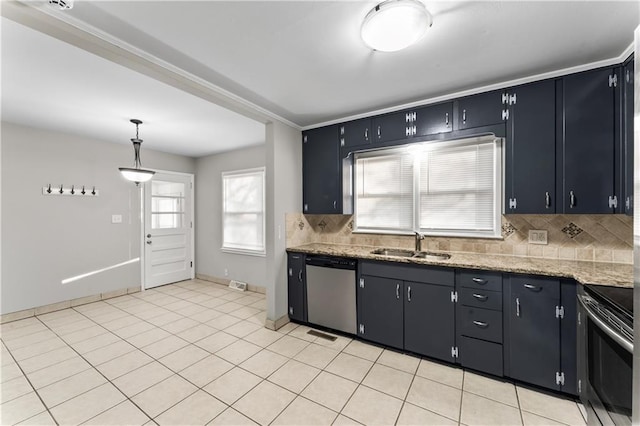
605 350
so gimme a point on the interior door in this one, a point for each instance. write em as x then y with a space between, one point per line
168 225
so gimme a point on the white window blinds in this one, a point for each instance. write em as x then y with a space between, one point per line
457 190
384 192
243 208
439 188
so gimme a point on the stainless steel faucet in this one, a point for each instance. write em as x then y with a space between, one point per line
419 238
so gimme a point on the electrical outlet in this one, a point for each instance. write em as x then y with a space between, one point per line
537 236
116 218
226 272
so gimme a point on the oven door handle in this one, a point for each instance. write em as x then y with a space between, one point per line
621 340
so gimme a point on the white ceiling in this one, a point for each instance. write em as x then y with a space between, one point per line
304 60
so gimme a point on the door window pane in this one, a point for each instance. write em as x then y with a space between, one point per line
167 204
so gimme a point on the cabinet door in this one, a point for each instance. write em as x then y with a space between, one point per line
531 149
534 330
589 142
380 310
429 320
355 133
480 110
296 287
628 78
391 127
434 119
321 179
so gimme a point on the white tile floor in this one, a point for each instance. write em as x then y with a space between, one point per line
196 353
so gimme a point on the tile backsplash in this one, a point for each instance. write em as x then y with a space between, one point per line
603 238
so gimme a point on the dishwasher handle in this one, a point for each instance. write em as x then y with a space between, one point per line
331 262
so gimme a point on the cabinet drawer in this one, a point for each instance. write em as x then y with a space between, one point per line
480 355
480 298
544 287
481 323
480 279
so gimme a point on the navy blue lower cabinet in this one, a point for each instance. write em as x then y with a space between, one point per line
429 320
480 355
380 310
296 283
532 344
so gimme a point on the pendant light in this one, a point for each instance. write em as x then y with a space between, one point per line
395 25
136 174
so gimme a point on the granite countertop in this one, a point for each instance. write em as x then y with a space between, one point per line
613 274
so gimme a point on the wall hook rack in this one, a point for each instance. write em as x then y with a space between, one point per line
71 190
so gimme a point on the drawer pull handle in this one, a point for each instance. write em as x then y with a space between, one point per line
481 324
532 287
479 281
480 297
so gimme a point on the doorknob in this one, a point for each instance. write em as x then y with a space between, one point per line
148 235
148 242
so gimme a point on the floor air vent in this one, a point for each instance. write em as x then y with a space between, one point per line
237 285
322 335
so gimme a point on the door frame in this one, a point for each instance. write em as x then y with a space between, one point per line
143 215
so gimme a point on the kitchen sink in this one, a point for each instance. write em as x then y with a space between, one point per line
393 252
410 253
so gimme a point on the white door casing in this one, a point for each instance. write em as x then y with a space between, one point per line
168 229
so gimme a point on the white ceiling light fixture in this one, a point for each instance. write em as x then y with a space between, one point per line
136 174
62 4
395 25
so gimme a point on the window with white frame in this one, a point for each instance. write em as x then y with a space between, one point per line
450 188
243 211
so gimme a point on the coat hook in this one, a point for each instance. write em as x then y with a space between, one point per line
73 189
49 189
83 191
61 189
94 191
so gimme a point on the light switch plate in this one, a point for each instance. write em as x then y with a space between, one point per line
116 218
537 236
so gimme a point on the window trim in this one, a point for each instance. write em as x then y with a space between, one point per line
498 187
238 173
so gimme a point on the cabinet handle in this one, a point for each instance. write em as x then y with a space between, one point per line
366 134
379 132
446 119
517 306
572 199
480 297
479 281
464 116
409 294
532 287
290 272
300 275
397 291
547 200
481 324
335 204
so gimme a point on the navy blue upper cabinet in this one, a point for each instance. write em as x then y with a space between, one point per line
321 177
355 133
480 110
588 148
530 182
429 120
628 137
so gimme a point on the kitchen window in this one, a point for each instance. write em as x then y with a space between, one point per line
243 216
448 188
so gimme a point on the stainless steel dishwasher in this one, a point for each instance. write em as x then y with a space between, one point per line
331 292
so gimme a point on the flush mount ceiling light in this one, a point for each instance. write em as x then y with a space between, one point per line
395 25
136 174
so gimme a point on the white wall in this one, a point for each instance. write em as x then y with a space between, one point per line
284 195
210 260
49 238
